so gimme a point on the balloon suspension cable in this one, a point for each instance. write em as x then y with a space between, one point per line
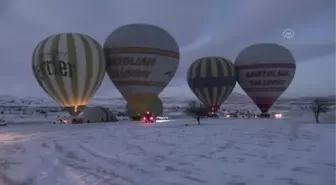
75 110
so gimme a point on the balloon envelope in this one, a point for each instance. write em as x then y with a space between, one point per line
156 107
212 80
69 67
141 60
264 71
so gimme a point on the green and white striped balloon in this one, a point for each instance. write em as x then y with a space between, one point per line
70 68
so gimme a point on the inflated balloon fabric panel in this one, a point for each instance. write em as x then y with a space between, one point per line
264 72
140 101
265 83
141 58
69 67
212 80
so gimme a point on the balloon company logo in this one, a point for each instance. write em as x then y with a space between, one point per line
288 34
170 74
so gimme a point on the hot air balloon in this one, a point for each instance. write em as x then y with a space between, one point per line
141 61
156 109
264 71
70 68
212 80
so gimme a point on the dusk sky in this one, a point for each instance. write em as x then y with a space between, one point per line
201 28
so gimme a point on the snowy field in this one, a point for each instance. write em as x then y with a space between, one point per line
219 152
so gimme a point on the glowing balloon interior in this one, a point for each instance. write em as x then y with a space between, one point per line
140 101
156 107
212 80
69 67
264 72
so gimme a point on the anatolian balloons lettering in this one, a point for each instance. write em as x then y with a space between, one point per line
264 71
139 58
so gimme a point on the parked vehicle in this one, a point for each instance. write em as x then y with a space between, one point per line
60 121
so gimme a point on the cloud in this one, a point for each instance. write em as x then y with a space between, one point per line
201 28
310 51
264 22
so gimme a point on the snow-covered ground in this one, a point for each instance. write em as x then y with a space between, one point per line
218 152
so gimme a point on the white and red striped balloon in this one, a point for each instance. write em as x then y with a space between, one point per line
264 72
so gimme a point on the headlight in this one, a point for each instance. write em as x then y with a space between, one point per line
278 115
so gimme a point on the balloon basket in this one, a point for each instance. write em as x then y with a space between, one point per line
265 115
212 115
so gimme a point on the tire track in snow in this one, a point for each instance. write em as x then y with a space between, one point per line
142 175
97 168
88 173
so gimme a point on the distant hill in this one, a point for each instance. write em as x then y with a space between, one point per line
235 97
13 108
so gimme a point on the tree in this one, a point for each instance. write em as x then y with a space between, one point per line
318 106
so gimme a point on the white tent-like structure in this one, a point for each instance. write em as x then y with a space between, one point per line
330 116
97 114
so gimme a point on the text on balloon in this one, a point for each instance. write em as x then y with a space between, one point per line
131 61
58 68
129 73
267 73
267 82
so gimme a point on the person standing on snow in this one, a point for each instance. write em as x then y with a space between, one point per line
198 119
